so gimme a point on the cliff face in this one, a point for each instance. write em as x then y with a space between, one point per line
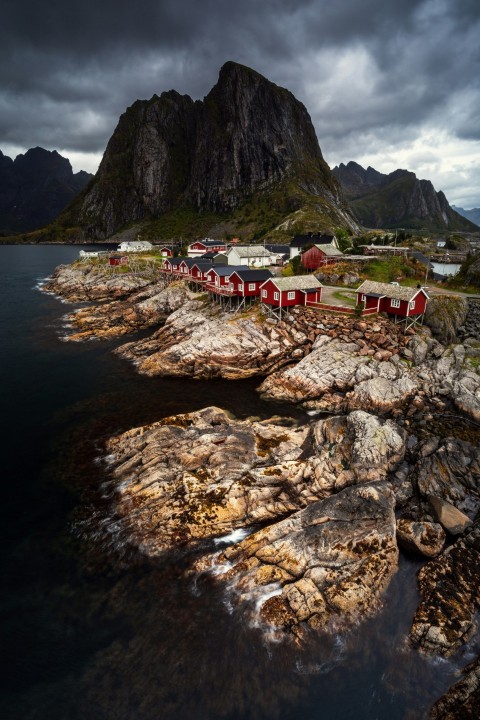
247 136
398 199
35 188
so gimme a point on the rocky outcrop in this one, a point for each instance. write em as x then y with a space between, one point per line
201 341
444 315
450 591
340 375
204 474
449 469
81 282
141 310
462 701
398 199
327 564
35 188
248 136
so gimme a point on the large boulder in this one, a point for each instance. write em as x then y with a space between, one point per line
444 315
462 701
82 282
326 564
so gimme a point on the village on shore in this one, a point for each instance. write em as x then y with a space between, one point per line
236 275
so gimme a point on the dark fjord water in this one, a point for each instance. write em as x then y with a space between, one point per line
93 631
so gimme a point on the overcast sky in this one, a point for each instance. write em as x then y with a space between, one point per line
388 83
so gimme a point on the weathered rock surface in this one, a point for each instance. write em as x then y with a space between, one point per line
450 591
352 449
147 308
339 373
204 474
201 341
330 562
444 315
462 701
424 538
450 518
450 469
81 282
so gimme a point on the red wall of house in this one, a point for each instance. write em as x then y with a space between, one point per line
236 282
313 258
370 302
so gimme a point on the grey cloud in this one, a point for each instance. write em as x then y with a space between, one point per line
69 69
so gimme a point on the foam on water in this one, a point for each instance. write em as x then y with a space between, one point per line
233 537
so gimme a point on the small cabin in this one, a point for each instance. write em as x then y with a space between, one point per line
393 299
200 247
165 251
214 258
199 269
320 255
247 283
114 260
287 292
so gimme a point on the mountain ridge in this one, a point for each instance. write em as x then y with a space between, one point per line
397 199
35 188
247 155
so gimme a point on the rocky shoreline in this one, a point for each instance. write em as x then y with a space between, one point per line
326 504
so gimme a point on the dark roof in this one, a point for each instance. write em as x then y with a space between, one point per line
253 275
309 290
202 264
279 249
311 239
223 270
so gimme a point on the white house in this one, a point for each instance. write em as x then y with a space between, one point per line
249 256
135 246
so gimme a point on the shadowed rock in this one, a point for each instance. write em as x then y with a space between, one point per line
450 590
462 701
424 538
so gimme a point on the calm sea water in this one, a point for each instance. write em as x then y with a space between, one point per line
90 630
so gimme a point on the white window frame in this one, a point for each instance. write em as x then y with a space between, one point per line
264 293
291 295
251 286
362 298
394 303
240 288
276 296
411 305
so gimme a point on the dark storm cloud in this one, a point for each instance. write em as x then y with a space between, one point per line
367 71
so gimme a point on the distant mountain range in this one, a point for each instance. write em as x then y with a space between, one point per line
397 200
35 188
472 215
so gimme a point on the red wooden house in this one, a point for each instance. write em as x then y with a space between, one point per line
219 276
114 260
320 255
393 299
286 292
199 269
199 247
246 283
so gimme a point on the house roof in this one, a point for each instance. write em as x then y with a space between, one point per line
250 251
329 250
279 249
396 292
208 243
253 275
297 282
311 239
223 270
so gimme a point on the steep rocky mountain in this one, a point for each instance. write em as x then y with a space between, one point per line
398 199
246 158
473 215
35 188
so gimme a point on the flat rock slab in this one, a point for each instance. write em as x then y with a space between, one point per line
329 563
450 591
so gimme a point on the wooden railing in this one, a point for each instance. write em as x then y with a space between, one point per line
339 308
